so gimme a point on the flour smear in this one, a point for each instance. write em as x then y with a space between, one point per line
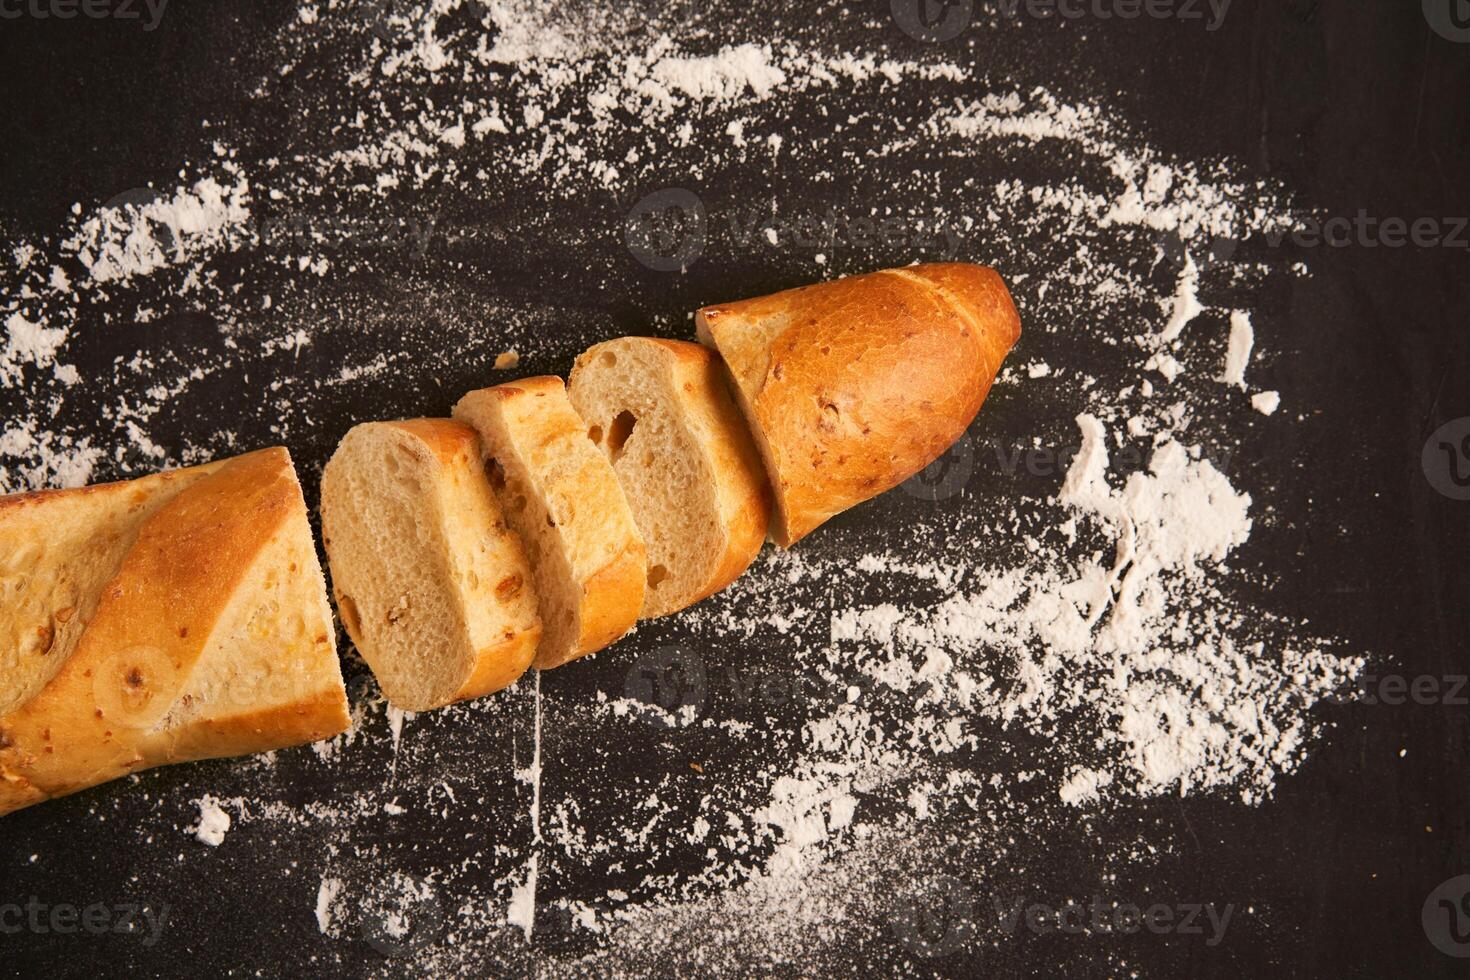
1076 641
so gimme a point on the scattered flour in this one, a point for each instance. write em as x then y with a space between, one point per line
1238 349
326 894
1096 651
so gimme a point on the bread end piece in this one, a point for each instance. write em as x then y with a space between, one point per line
432 585
208 633
852 386
561 495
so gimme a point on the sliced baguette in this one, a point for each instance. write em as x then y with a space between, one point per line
433 587
195 625
855 385
561 495
661 410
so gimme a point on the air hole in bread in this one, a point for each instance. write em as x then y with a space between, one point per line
618 433
595 434
657 574
495 473
609 358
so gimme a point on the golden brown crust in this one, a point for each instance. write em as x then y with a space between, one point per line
611 599
310 719
855 385
96 718
501 665
34 498
445 438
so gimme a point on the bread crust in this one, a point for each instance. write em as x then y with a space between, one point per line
99 716
853 386
606 555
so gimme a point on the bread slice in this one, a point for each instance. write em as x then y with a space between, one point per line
433 587
661 410
197 626
853 386
562 497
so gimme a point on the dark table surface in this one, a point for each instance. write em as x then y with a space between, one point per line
1350 105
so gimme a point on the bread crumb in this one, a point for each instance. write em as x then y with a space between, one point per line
506 360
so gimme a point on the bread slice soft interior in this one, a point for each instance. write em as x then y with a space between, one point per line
662 413
432 585
563 498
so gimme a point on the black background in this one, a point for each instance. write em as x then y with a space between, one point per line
1355 105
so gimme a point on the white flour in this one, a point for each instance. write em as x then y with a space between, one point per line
1080 629
214 821
1266 402
326 894
1238 353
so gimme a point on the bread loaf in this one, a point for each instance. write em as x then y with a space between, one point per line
561 496
662 412
431 584
853 386
180 616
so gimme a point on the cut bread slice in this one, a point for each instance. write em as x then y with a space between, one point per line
206 634
562 497
853 386
432 586
661 410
